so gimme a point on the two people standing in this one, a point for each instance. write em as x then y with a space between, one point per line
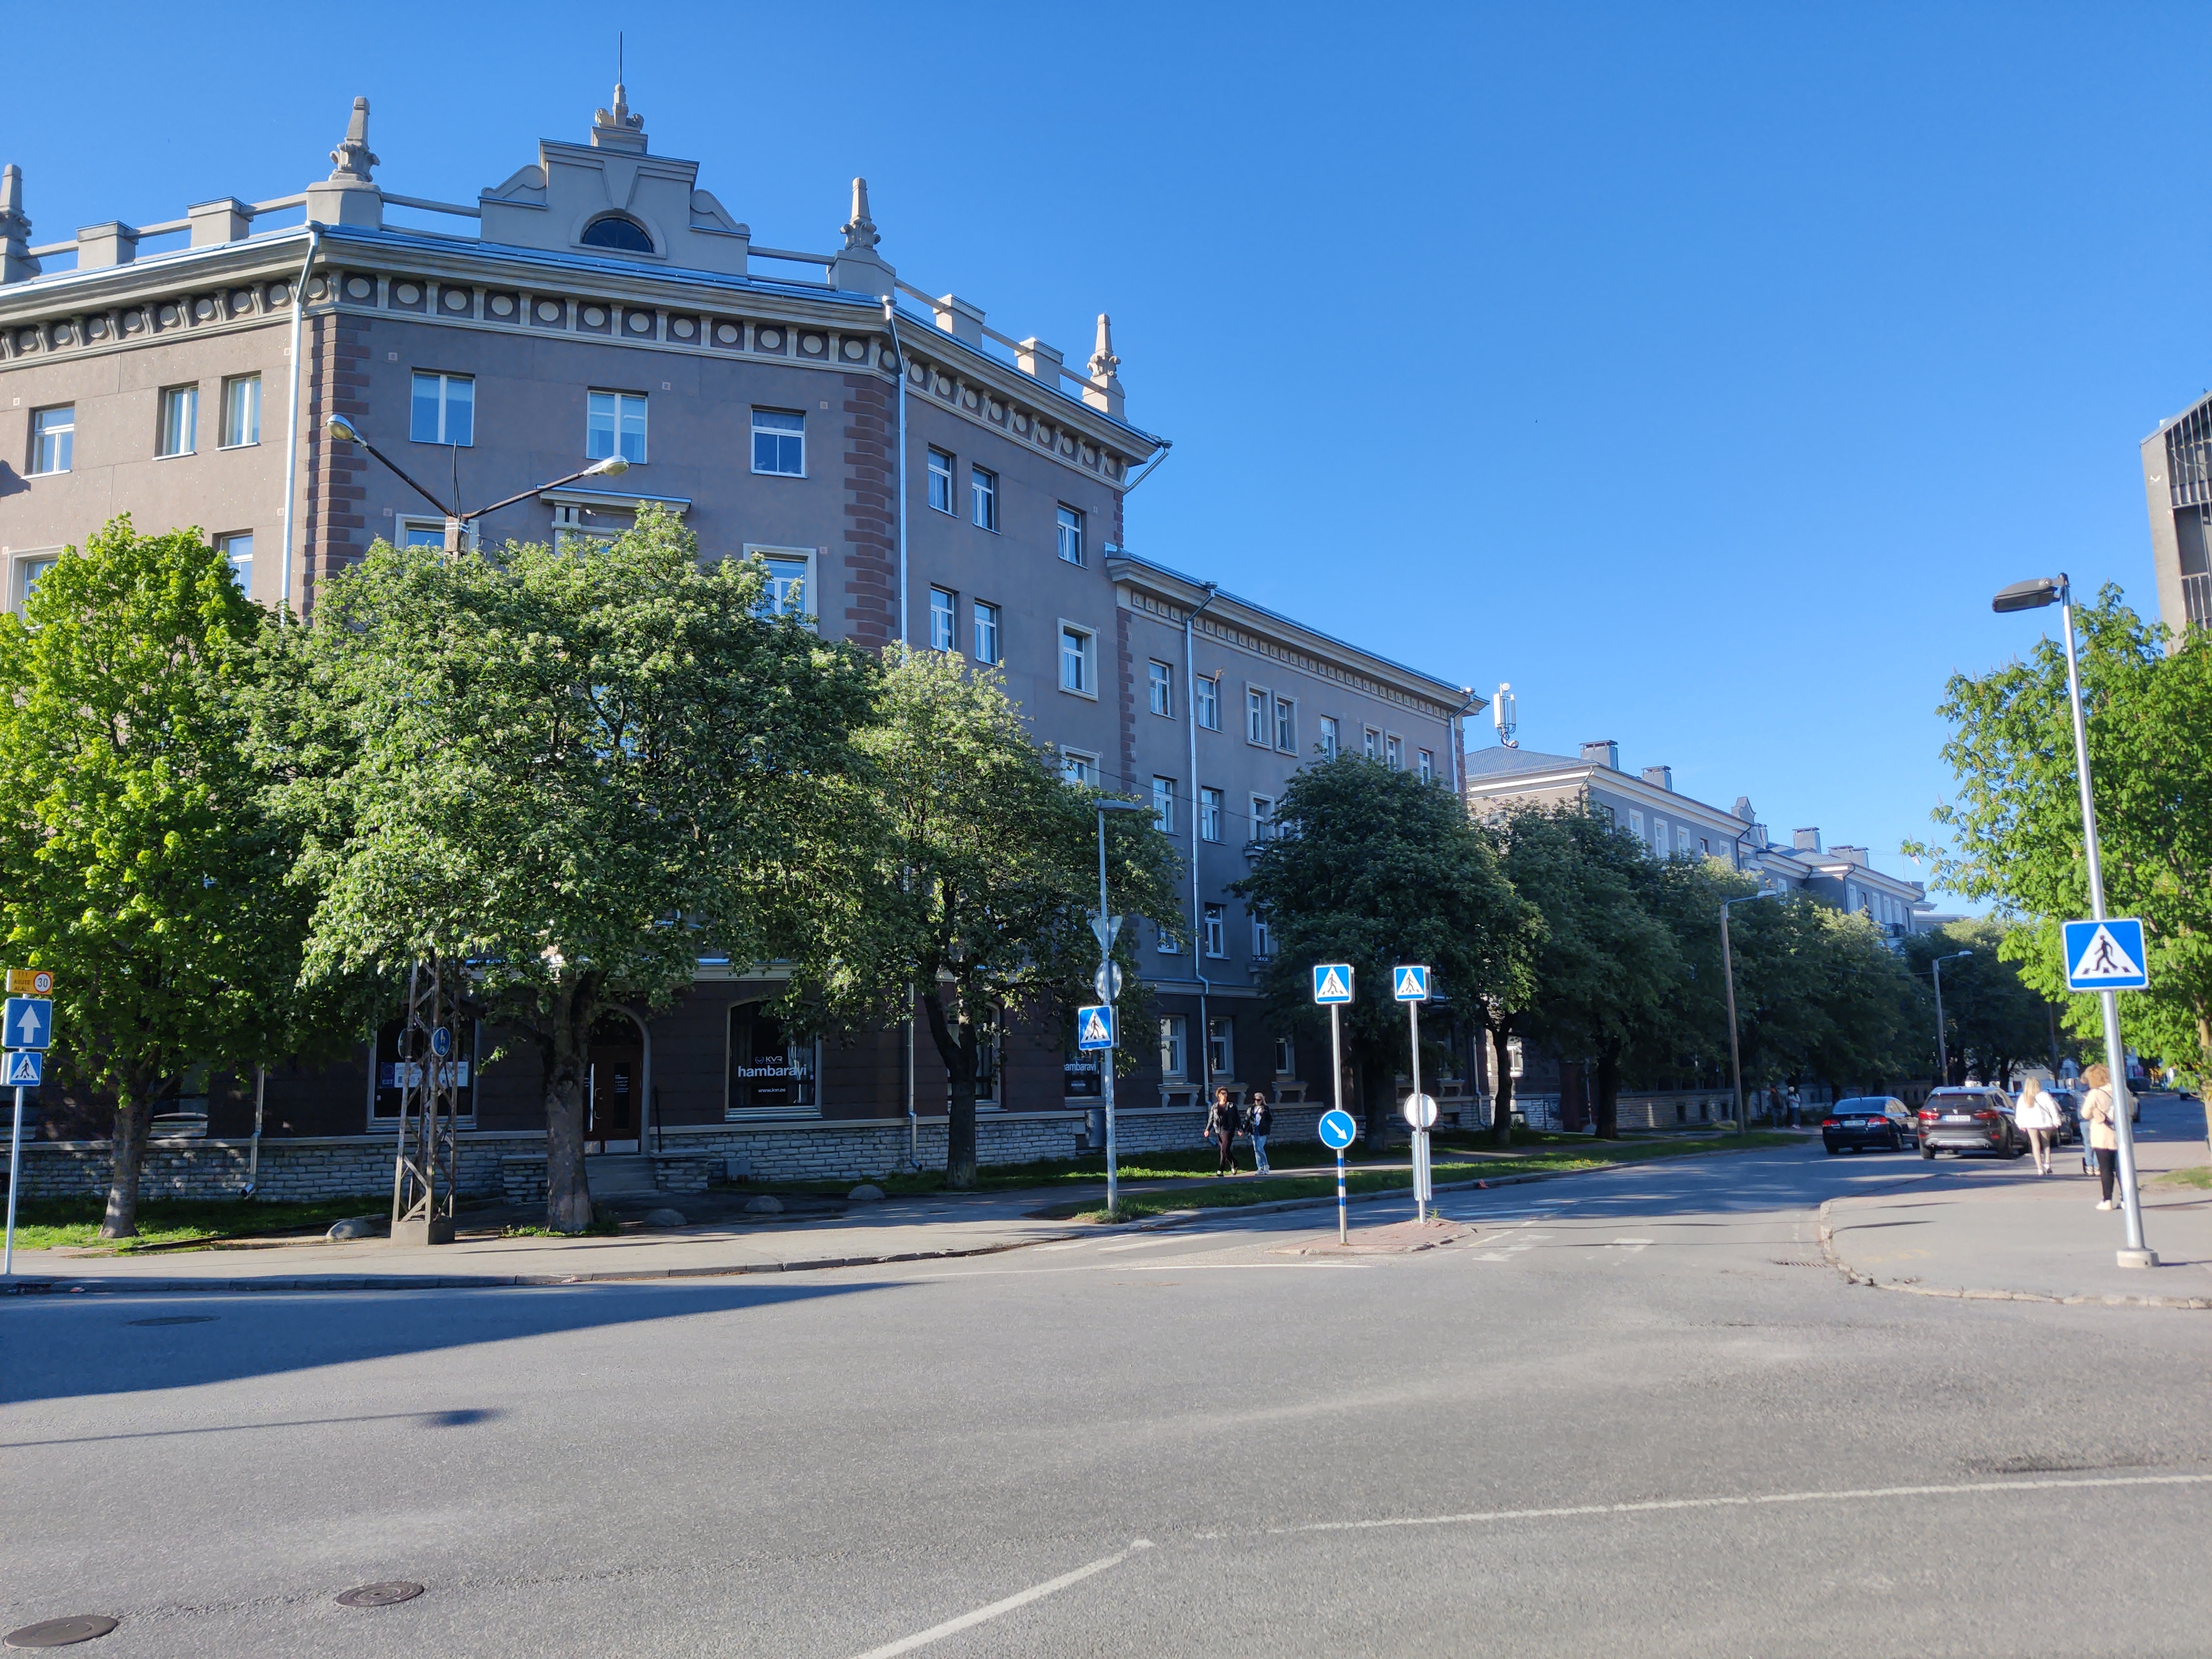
1223 1122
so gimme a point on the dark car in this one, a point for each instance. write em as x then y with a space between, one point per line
1970 1120
1868 1123
2069 1115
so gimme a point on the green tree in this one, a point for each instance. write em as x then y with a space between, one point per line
1995 1021
135 860
1820 997
574 770
2015 820
1372 866
972 872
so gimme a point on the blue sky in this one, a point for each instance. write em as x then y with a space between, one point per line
1700 370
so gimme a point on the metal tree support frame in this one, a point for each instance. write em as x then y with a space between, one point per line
423 1171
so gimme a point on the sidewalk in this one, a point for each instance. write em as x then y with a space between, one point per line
1999 1231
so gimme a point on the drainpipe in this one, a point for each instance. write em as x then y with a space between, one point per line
1197 913
292 422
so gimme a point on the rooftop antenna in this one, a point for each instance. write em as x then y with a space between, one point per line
1505 715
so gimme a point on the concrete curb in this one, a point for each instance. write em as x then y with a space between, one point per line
1852 1275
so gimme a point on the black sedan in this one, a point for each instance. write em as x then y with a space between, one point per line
1864 1122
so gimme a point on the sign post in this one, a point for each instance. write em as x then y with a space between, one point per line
1332 984
1409 984
2106 954
1094 1029
1337 1130
29 1031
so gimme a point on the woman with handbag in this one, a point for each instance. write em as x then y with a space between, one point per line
2037 1114
2097 1130
1221 1129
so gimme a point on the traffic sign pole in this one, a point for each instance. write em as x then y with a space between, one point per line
1420 1135
15 1165
1343 1218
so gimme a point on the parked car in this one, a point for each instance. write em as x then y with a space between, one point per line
1970 1120
1879 1123
2069 1115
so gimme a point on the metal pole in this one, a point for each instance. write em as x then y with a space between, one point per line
1420 1134
253 1156
2136 1253
15 1166
1106 1056
1736 1058
1336 1100
1943 1048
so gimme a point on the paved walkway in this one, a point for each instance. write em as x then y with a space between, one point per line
2002 1232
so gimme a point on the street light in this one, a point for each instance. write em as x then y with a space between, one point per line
1942 1050
456 521
1106 932
1727 973
2033 595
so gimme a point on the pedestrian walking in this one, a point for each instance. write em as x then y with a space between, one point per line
1221 1129
2037 1114
1260 1123
2098 1133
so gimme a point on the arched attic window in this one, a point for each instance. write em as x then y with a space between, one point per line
617 231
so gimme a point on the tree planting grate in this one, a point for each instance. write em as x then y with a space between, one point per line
380 1595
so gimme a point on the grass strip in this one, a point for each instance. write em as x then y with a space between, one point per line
47 1224
2197 1174
1234 1194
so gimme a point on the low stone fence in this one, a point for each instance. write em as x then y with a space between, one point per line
303 1167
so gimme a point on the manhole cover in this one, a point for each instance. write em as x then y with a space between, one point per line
177 1319
380 1595
60 1632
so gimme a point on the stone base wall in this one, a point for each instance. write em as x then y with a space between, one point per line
306 1167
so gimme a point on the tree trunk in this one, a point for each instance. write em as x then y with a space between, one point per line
958 1048
133 1115
565 1044
1609 1098
1501 1097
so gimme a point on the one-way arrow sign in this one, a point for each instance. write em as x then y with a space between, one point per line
29 1023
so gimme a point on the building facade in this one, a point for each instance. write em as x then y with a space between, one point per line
906 471
2177 464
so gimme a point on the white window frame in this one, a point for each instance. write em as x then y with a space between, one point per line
1068 532
1174 1048
1661 841
621 407
189 394
226 545
1636 824
1286 719
1329 738
1078 767
1213 931
1370 743
1425 764
1286 1056
240 391
1259 716
433 532
808 594
943 475
756 431
1263 817
1207 703
1263 939
1088 655
982 498
1393 751
1211 807
65 450
1164 804
1165 943
24 574
446 383
1159 687
988 632
943 619
1221 1059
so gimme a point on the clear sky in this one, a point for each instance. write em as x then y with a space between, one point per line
1699 369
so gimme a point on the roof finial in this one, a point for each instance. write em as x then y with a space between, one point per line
1106 385
16 265
860 230
353 158
620 127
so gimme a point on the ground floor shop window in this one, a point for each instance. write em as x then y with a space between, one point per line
771 1072
389 1071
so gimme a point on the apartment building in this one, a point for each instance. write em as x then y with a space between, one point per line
2177 464
906 470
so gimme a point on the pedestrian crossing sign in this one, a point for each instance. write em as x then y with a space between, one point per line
1094 1026
1410 984
2105 956
24 1070
1332 983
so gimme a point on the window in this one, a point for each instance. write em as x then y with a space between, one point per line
443 410
53 438
1286 725
1220 1047
241 412
1636 824
1286 1057
1162 691
1372 744
1216 931
1263 817
29 572
617 231
1078 768
1328 737
1206 699
1166 942
1164 804
983 498
1393 752
784 593
1427 767
1209 814
1263 942
771 1070
1256 715
1175 1046
431 532
779 443
615 425
239 549
940 481
986 633
180 421
1659 837
1071 535
943 618
1078 667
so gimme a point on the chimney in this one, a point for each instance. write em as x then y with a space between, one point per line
1852 855
1805 841
1105 385
349 195
1660 777
858 268
16 265
1604 752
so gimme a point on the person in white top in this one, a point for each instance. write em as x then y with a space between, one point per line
2037 1114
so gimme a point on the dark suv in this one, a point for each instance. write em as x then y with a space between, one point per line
1864 1122
1971 1119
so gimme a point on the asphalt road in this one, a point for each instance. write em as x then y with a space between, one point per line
1634 1414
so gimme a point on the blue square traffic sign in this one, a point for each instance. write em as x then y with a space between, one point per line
1409 983
2106 956
1094 1026
25 1069
1332 983
29 1022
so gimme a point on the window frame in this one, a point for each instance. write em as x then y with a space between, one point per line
1263 938
1221 1029
1212 807
446 383
1259 713
65 451
433 532
985 616
1393 751
1207 702
1370 743
946 473
1330 740
943 619
1424 765
224 543
1213 932
767 554
1263 817
24 571
1286 1047
1159 687
1089 657
236 390
1174 1048
1075 763
982 498
621 400
778 435
1163 804
190 393
1286 722
1067 534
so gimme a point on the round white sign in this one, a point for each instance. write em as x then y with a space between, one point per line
1420 1110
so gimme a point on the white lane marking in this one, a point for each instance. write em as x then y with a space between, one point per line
1633 1245
1662 1505
1235 1267
1020 1599
1141 1244
1072 1244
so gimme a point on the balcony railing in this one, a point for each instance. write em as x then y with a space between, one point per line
2197 599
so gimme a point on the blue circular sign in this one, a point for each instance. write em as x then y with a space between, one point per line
1338 1131
441 1042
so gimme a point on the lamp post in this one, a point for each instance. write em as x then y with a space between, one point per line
1943 1048
2033 595
1107 929
1728 974
456 521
